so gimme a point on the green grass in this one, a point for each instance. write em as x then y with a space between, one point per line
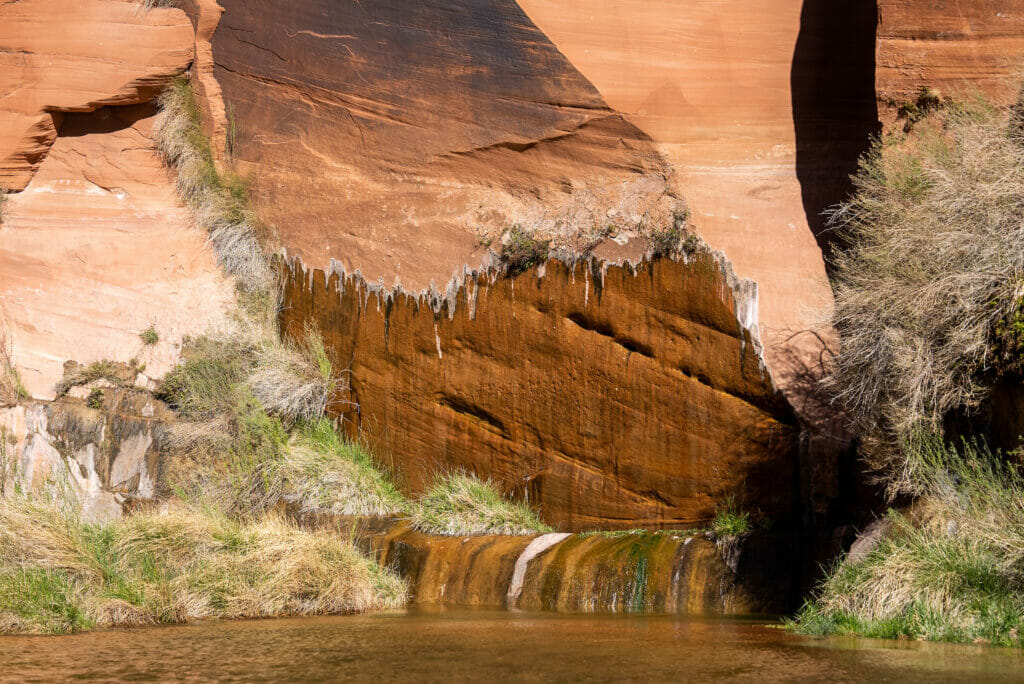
730 520
326 472
953 572
60 575
460 503
149 336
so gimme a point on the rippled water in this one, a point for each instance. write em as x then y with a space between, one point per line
491 647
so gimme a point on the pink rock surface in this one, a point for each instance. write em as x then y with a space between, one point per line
58 56
97 248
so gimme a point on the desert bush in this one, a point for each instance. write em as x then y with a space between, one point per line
460 503
218 200
953 572
935 258
58 574
520 251
11 388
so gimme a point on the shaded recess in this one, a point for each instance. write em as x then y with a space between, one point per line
834 107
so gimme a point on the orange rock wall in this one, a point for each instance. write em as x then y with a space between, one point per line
624 399
950 46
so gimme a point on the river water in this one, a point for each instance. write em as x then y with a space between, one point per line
493 647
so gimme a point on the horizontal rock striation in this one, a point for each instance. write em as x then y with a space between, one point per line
955 48
610 396
58 56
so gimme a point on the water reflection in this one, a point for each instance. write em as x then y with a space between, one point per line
445 646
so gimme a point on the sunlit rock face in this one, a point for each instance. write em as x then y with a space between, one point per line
390 136
76 57
955 48
95 247
610 396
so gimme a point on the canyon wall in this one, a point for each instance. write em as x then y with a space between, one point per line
95 248
610 396
392 143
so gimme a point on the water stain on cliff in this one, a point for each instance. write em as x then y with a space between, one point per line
834 108
645 407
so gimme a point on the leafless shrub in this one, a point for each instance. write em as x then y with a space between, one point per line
936 258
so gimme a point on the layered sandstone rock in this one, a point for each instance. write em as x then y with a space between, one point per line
955 48
97 249
610 396
75 57
391 136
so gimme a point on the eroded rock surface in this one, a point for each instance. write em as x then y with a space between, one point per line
97 249
58 56
955 48
99 458
391 136
633 397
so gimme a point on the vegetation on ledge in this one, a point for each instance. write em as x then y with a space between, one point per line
952 570
461 503
59 574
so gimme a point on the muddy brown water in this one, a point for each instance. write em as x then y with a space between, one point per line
492 646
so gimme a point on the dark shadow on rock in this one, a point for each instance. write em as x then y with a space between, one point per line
832 81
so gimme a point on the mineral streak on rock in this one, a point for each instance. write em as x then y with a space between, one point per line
609 395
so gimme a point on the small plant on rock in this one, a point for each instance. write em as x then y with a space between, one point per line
520 251
149 336
730 520
96 397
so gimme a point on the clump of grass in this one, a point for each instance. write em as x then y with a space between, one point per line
730 520
219 200
77 374
60 575
520 250
294 381
955 572
461 503
935 259
325 472
149 336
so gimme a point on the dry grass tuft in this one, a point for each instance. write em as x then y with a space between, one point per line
218 200
954 573
294 381
461 503
936 259
59 575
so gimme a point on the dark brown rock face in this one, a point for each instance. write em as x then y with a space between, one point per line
629 398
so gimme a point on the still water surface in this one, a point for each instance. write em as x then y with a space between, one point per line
491 647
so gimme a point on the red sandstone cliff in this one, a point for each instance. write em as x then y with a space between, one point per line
395 139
